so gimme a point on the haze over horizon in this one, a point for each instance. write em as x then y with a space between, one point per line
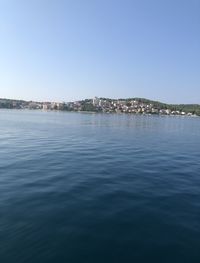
71 50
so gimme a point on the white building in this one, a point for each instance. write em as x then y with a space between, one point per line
96 101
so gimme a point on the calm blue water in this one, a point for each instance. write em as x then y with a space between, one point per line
99 188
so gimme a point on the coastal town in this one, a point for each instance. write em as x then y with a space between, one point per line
105 105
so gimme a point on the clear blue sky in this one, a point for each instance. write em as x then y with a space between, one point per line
72 49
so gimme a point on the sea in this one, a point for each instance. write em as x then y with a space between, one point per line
99 188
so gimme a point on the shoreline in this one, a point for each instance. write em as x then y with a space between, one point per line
104 113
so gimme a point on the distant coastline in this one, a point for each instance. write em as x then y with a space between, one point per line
106 105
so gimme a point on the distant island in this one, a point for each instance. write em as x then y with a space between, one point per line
106 105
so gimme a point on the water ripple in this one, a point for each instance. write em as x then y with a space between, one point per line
98 188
